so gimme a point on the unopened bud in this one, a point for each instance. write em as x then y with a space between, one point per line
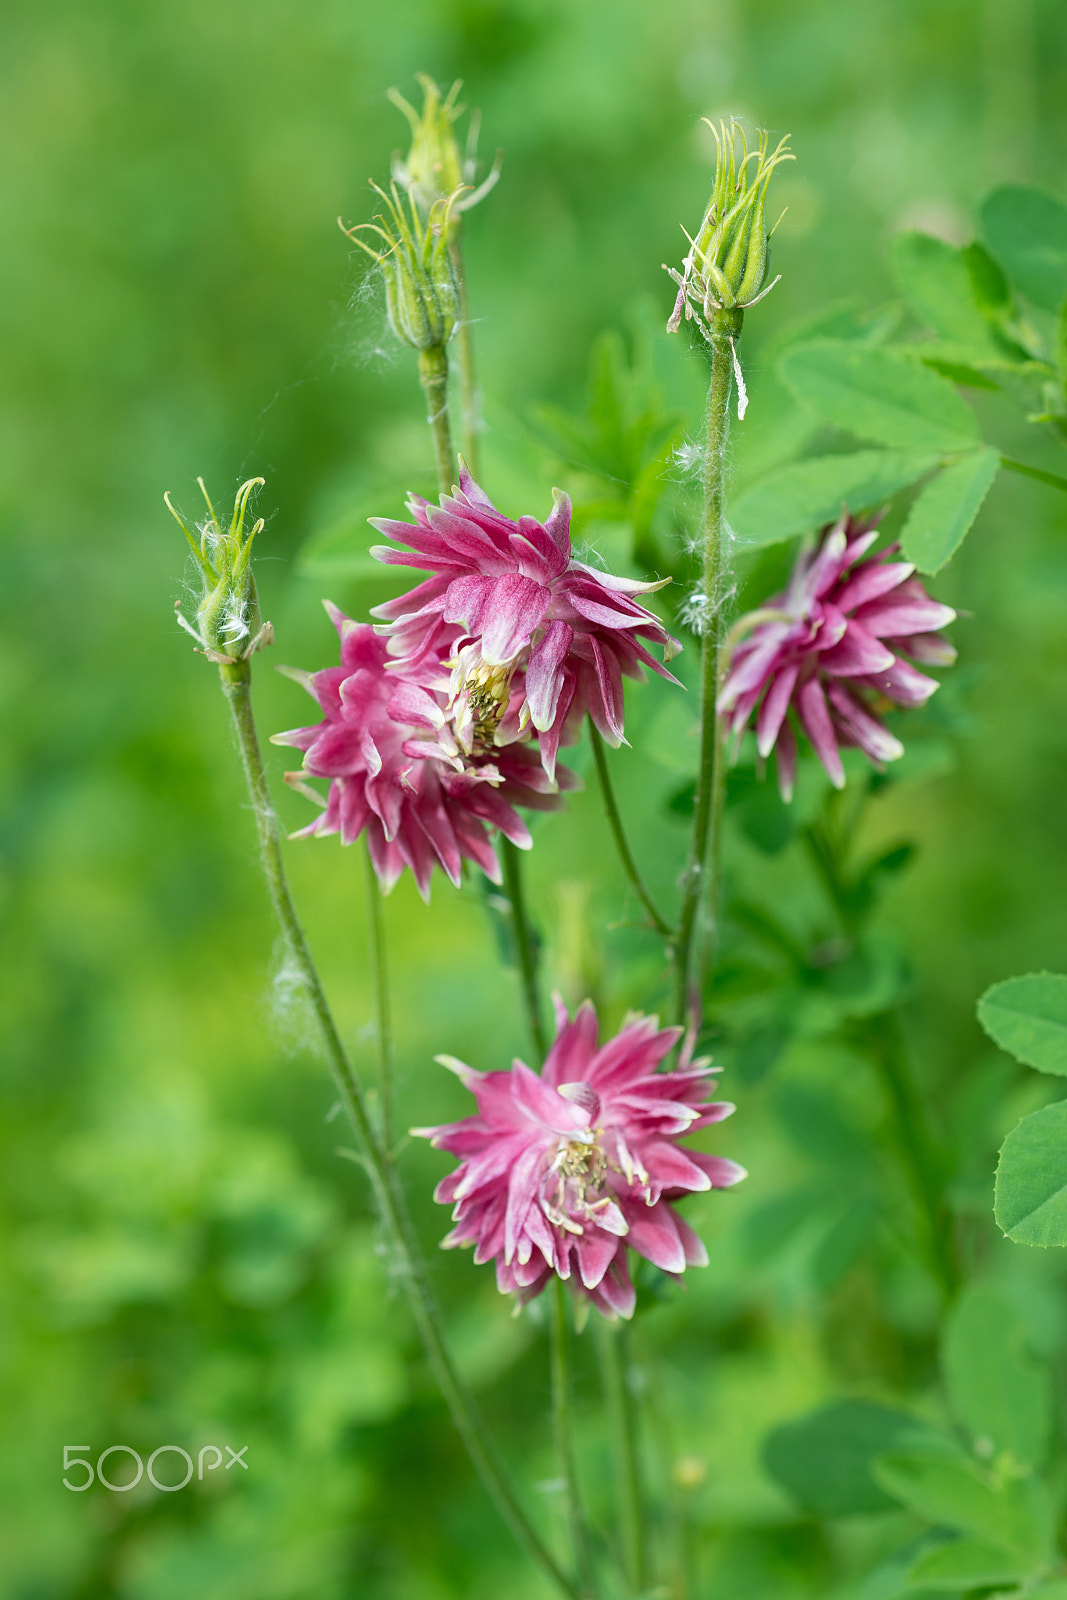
228 624
435 168
421 291
725 269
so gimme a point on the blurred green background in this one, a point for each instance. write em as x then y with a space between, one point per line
185 1260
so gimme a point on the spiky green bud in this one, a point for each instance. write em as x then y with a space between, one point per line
228 624
727 263
421 291
435 169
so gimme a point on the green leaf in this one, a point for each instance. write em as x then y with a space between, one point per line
844 1241
958 372
935 280
1028 1018
1056 1590
989 286
823 1459
965 1564
996 1390
1012 1513
806 494
879 395
1031 1192
1026 230
941 516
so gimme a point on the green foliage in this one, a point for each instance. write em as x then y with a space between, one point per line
1031 1192
824 1459
806 494
939 286
879 395
1026 230
966 1564
1000 1395
946 508
624 443
1010 1513
1028 1017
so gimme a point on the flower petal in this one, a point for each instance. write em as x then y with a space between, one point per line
815 718
514 607
544 674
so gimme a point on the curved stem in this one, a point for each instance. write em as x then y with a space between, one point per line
524 943
563 1424
468 387
828 840
468 1422
433 375
1053 479
383 1022
629 865
885 1046
695 947
614 1350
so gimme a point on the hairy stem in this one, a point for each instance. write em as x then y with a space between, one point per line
629 865
694 948
383 1021
468 1422
614 1353
525 946
433 375
468 386
563 1424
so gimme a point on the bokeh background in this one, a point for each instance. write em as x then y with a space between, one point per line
185 1259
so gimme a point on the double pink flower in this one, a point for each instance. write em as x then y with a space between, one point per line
836 649
509 597
399 776
440 722
560 1173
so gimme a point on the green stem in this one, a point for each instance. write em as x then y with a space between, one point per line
563 1424
468 387
382 1013
828 841
614 1350
433 375
885 1046
1053 479
524 943
694 948
629 865
468 1422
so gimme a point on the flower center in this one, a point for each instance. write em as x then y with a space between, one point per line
572 1190
478 698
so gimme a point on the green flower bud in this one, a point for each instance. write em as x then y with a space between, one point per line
421 291
435 168
228 624
728 261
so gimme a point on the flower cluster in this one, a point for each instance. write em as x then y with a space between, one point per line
522 605
560 1173
833 648
450 713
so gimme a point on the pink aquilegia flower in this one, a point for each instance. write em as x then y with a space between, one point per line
397 772
559 1173
832 648
508 597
